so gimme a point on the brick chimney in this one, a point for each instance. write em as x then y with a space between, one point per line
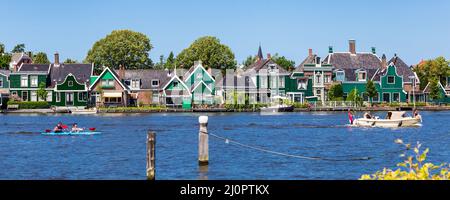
310 52
383 62
352 46
121 72
56 58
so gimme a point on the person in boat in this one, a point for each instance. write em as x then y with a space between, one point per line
350 116
367 115
389 115
58 128
416 115
75 128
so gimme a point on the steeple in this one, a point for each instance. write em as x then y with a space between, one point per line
260 54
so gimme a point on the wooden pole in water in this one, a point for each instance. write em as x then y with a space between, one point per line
151 155
203 152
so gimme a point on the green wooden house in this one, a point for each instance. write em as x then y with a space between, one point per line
25 82
176 92
201 84
4 87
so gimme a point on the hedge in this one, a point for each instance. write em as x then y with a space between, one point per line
30 104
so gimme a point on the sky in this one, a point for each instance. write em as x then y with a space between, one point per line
414 29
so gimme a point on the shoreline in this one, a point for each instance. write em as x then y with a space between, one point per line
223 110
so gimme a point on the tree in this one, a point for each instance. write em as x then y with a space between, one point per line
160 64
249 61
5 59
170 61
70 61
435 92
41 92
2 48
20 48
122 47
40 58
336 93
355 97
371 90
438 67
284 62
210 51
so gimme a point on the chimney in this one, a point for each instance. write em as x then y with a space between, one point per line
56 58
374 50
317 60
209 71
269 56
330 49
383 62
352 46
310 52
121 72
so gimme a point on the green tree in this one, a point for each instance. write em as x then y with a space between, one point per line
371 90
161 63
435 91
336 93
2 48
170 61
210 51
122 47
70 61
18 48
438 67
284 62
355 97
249 61
40 58
5 59
41 92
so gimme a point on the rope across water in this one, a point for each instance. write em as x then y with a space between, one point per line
229 141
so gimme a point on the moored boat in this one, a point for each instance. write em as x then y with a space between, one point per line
277 105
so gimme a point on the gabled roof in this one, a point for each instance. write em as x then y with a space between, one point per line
146 76
310 59
5 72
191 70
17 57
235 81
402 70
116 77
264 64
82 73
37 68
345 61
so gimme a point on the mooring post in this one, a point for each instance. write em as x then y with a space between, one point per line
151 155
203 155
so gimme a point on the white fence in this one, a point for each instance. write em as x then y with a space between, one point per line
334 104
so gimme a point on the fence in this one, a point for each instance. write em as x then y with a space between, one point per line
333 104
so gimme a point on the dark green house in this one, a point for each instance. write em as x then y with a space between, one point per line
4 87
25 82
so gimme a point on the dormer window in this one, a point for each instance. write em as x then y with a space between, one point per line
135 83
340 76
155 83
362 76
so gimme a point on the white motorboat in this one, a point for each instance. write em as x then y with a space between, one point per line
397 119
84 111
277 105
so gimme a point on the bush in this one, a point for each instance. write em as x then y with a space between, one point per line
413 168
30 104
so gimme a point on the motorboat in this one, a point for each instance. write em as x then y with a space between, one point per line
277 105
397 119
84 111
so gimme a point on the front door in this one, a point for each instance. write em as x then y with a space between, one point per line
69 99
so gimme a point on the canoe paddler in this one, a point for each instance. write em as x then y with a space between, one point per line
75 128
58 128
350 116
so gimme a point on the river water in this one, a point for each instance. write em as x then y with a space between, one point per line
119 152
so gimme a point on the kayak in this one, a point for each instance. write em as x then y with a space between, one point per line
72 133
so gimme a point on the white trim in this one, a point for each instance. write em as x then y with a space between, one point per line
195 69
382 97
182 83
65 79
203 84
104 71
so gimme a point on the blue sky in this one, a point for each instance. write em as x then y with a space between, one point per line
413 29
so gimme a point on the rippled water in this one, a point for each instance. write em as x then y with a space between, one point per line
119 152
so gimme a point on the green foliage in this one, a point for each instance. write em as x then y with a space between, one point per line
70 61
413 168
41 92
134 109
122 47
437 68
336 93
161 63
18 48
5 59
435 91
2 48
284 62
371 90
30 104
355 97
170 61
249 61
40 58
210 51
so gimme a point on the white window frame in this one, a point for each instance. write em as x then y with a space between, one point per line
34 81
49 96
263 81
388 79
70 83
135 83
302 83
28 95
343 75
24 81
58 96
33 96
390 98
393 94
365 75
273 81
157 85
80 97
14 93
281 82
1 82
